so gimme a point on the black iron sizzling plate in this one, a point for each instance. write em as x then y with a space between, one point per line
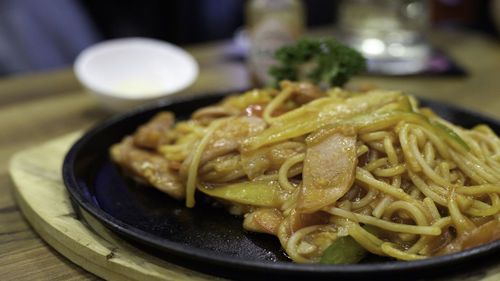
209 239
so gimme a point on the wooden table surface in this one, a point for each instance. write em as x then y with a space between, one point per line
39 107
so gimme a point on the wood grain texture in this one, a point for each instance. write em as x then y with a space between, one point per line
42 197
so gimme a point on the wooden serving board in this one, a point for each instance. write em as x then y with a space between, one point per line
44 201
42 197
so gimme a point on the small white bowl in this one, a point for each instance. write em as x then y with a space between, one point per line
124 73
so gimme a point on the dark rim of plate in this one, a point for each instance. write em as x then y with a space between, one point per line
205 256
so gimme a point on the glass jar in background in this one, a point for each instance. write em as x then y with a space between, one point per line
271 24
391 34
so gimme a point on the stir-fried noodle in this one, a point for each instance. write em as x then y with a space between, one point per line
312 166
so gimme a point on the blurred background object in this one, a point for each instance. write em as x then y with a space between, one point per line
42 35
495 14
392 35
128 72
38 35
271 24
464 14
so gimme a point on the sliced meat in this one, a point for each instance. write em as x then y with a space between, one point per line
207 114
481 235
251 103
147 167
256 163
328 173
265 220
153 133
303 92
298 221
227 139
230 136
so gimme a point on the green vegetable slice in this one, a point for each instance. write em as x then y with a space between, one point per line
449 132
250 193
384 118
344 250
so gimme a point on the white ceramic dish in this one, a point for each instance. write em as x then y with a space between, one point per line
123 73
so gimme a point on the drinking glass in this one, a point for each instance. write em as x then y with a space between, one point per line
391 34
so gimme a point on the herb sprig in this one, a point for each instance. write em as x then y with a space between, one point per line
319 61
